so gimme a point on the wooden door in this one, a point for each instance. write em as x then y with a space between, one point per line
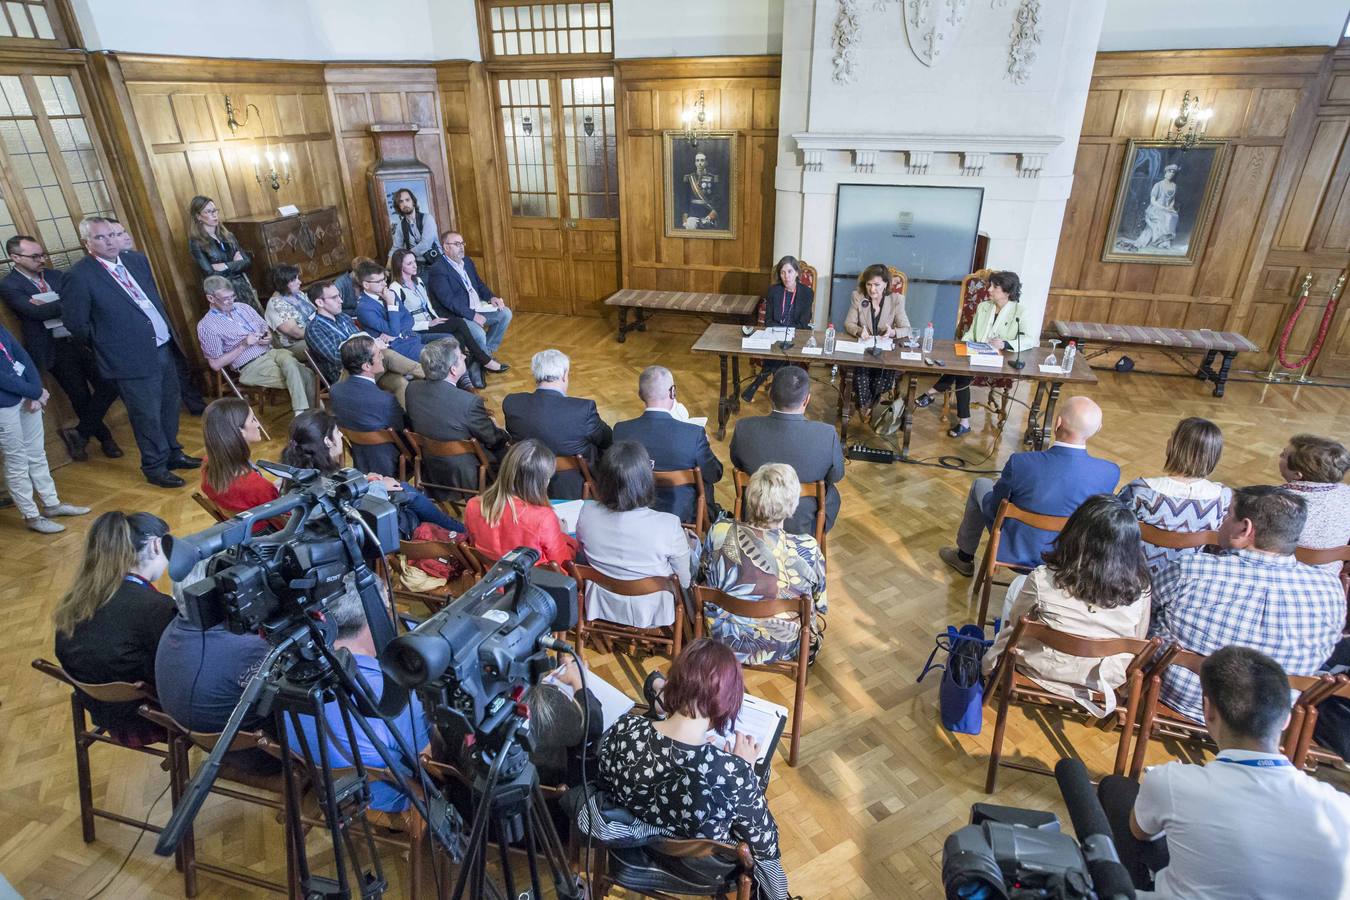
558 135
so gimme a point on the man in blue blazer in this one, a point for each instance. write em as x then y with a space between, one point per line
1050 482
569 426
673 444
361 405
456 290
53 348
112 302
373 312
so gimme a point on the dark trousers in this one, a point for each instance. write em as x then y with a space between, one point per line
192 398
459 330
1142 858
152 407
962 383
90 395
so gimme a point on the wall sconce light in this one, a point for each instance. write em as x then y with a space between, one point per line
233 123
1189 123
526 125
696 122
273 178
588 125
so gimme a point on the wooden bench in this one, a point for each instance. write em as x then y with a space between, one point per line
1184 340
738 309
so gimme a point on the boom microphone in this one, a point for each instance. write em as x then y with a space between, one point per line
1110 879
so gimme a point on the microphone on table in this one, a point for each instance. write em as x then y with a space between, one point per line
872 350
1110 879
1018 362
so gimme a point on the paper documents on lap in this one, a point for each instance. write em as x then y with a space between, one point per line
762 720
613 702
567 511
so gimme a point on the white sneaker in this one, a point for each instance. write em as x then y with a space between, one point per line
66 509
43 525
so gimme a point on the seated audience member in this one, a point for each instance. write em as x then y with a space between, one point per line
348 615
442 412
360 405
1245 825
22 441
563 717
229 479
458 291
672 778
349 285
288 310
201 673
235 336
672 443
330 328
514 511
759 559
1333 714
789 304
569 426
382 314
1182 498
874 311
624 538
109 623
1255 594
812 449
315 442
411 291
1314 468
1050 482
1093 584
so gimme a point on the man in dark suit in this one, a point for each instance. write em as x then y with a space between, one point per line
786 436
569 426
360 405
112 302
33 292
442 412
672 443
1051 482
456 290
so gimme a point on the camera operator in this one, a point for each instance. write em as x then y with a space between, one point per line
1248 824
353 634
200 675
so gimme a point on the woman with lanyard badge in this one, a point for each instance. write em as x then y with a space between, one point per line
787 305
874 312
216 250
408 285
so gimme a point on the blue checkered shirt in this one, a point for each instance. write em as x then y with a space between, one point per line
325 336
1291 612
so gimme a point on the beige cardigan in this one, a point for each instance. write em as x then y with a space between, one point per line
892 315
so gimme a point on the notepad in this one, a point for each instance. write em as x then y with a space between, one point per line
762 720
567 511
45 297
614 703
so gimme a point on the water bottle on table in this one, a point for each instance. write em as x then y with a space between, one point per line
829 339
1069 353
928 338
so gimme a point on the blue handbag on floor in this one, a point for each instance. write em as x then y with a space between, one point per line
961 694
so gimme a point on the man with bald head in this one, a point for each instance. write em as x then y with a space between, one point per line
1050 482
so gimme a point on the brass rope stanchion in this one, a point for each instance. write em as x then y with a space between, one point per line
1305 364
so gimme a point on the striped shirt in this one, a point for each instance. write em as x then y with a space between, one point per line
220 333
1272 603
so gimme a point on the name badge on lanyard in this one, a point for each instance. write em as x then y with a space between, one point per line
19 368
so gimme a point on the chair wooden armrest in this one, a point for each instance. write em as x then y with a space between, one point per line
1176 540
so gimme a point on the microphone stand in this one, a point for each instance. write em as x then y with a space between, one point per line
873 350
1018 362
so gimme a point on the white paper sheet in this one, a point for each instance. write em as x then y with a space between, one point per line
45 297
912 357
760 719
700 421
1051 370
613 702
568 511
851 346
752 343
991 360
812 351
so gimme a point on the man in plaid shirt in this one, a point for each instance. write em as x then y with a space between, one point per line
235 336
1254 594
329 328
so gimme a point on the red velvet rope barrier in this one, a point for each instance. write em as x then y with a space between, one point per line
1321 331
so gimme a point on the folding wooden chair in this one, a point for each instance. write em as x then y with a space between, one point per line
481 561
257 392
325 391
632 869
1008 686
767 609
86 737
811 489
1308 754
637 587
1157 720
681 477
209 505
984 575
450 551
578 464
1176 540
378 439
422 447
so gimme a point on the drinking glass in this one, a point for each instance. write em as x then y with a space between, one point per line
1051 360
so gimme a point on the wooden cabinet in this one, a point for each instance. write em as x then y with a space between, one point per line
313 241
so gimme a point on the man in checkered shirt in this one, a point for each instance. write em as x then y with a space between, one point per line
1254 594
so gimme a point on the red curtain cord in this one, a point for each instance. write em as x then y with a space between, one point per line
1321 331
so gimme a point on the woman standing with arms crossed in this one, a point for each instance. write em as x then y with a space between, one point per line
216 251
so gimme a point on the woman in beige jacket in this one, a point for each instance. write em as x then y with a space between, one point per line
874 312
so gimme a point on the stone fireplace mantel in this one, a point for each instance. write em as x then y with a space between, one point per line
972 151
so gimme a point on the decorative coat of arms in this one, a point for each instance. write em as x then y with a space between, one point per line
931 26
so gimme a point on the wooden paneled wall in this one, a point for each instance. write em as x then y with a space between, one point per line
1263 101
741 95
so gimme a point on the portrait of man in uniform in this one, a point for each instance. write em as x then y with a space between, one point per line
700 186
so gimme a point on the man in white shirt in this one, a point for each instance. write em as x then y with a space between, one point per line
488 315
1248 824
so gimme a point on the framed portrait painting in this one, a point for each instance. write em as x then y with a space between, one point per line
701 185
1165 202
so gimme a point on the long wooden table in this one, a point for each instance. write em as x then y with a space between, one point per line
734 308
725 342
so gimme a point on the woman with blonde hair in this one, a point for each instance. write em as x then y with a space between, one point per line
757 560
515 512
216 251
109 622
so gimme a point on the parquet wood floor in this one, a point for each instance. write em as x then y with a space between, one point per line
879 785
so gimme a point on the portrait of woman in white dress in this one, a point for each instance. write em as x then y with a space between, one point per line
1163 201
1160 219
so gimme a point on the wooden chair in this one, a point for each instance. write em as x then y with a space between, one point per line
680 478
1318 557
578 464
380 438
637 587
610 868
86 737
974 291
1308 754
209 505
984 575
806 276
325 387
422 447
268 791
812 489
1158 720
448 550
1008 686
480 560
1176 540
249 393
766 609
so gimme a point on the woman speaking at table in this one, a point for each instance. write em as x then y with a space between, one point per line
997 322
788 305
874 312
